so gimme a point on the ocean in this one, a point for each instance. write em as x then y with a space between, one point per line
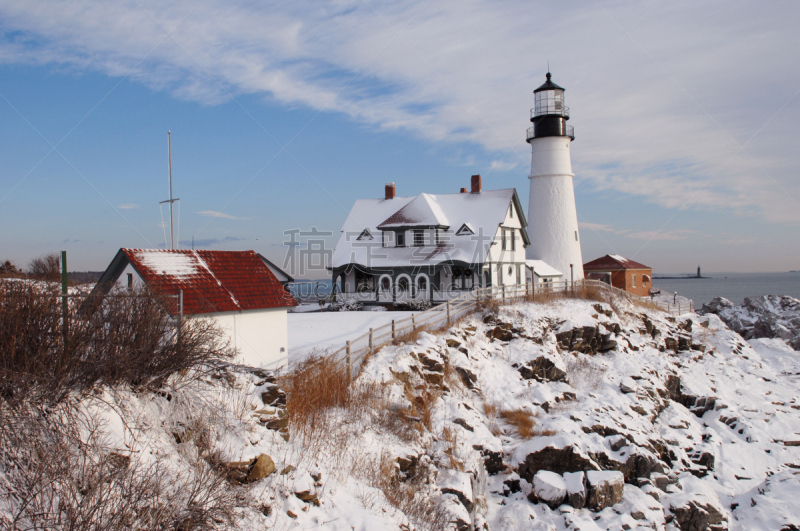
732 286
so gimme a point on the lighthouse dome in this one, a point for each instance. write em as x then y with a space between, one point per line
548 85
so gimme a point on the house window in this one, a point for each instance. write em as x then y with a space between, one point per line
419 238
513 240
422 284
386 284
402 285
519 274
462 278
364 281
401 239
365 235
504 238
633 281
500 274
511 210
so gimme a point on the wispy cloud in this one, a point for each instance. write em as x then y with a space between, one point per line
651 118
127 206
650 235
502 165
215 214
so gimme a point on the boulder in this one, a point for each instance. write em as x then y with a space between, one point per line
261 468
698 515
457 483
558 460
628 385
549 488
717 304
576 489
493 461
467 376
604 489
544 369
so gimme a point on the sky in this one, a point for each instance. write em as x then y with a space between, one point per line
282 114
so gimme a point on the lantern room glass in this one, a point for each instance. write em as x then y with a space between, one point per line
549 102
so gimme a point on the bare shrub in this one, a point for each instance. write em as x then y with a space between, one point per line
313 387
410 495
412 335
584 373
523 420
60 474
47 267
126 339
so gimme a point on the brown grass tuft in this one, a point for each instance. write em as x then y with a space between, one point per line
522 420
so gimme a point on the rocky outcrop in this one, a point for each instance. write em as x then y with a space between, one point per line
544 369
604 489
559 460
769 316
586 339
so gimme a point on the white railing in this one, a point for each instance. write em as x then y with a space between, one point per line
355 351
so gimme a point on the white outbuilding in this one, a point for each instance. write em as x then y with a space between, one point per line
235 288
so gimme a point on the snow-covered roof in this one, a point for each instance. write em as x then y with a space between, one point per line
483 212
613 262
542 269
212 281
422 211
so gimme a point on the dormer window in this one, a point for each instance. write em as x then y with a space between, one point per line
465 230
419 238
365 235
401 239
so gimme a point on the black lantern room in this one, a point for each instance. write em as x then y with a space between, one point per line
549 115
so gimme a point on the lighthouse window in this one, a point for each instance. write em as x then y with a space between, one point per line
576 235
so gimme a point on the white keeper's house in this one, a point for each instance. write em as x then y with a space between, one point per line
430 247
237 289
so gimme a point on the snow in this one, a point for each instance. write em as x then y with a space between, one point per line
542 269
320 331
173 264
422 211
549 487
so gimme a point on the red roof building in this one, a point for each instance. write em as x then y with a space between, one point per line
237 288
621 273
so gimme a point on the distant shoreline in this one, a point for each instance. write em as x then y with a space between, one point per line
681 278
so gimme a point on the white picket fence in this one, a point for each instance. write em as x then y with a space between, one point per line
355 351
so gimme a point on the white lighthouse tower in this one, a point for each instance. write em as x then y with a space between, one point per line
552 219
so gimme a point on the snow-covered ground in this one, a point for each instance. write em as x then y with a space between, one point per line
321 331
562 416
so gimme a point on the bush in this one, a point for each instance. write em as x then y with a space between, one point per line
347 305
47 267
414 305
123 339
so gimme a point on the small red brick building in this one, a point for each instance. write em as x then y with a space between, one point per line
621 273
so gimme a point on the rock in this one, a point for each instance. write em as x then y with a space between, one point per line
278 424
493 461
468 377
628 385
544 369
660 481
698 515
549 487
463 424
433 378
273 396
615 442
716 304
511 486
558 460
501 333
287 469
576 489
604 489
457 483
452 343
432 364
262 467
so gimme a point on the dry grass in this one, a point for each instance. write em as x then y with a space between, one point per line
523 420
584 373
410 337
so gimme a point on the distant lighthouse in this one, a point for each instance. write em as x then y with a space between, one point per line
552 218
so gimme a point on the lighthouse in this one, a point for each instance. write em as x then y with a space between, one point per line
552 218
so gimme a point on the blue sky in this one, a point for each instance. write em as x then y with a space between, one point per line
282 114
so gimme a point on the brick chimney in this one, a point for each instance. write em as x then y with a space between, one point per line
476 184
463 190
389 190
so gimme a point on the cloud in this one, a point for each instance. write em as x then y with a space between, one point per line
127 206
676 121
502 165
679 234
215 214
206 242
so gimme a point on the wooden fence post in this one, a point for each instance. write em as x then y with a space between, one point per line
448 312
503 289
413 322
394 333
349 362
371 345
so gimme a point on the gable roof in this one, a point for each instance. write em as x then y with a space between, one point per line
422 211
484 212
542 269
212 281
613 262
279 273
